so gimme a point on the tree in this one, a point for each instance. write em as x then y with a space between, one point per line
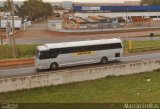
34 9
6 7
1 9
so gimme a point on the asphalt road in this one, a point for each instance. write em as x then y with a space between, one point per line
20 41
31 70
29 37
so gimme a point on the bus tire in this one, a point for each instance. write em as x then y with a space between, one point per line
38 70
104 60
54 66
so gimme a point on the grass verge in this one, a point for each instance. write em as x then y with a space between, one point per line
27 50
137 88
142 46
23 51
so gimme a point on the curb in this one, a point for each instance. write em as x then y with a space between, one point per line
16 62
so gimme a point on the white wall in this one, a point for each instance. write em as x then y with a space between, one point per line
54 25
17 23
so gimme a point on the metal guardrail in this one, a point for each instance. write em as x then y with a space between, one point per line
104 30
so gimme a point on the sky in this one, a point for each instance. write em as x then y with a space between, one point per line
99 1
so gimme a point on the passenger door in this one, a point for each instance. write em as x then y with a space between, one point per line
45 59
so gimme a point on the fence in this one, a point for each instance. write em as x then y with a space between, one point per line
62 27
101 26
34 27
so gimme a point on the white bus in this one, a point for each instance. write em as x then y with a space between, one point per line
55 55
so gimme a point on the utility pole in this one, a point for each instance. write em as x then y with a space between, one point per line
1 30
13 35
8 27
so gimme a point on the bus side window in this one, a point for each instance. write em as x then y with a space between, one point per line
101 47
119 45
107 46
111 46
92 48
64 50
44 55
115 46
54 53
82 49
71 50
78 49
74 49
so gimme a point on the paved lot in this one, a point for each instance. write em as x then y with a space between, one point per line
38 33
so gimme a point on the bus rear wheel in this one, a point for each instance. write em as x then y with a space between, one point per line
54 66
104 60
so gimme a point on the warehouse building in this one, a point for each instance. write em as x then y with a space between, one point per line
75 23
90 16
90 22
117 10
102 22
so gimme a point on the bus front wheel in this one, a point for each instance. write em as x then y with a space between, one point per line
54 66
104 60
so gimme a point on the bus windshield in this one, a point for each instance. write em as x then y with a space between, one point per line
37 54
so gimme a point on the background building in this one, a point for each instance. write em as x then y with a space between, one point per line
125 10
112 15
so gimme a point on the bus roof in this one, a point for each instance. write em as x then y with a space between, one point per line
77 43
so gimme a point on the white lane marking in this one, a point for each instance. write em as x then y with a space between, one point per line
17 69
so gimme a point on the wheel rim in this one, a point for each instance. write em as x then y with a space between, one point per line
104 60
